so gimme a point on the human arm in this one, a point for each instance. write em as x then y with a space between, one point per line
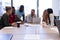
5 20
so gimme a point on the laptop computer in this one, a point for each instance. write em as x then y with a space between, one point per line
36 20
5 36
57 22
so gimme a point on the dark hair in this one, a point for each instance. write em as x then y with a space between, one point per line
21 9
13 7
33 10
8 8
13 10
50 11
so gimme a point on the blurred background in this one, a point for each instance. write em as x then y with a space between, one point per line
38 5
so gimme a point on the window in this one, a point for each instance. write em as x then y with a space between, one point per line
4 4
28 5
44 4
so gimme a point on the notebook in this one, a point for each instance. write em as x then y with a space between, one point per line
5 36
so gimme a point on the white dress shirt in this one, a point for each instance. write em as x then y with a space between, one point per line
52 19
29 18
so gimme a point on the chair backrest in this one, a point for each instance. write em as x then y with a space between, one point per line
56 17
58 24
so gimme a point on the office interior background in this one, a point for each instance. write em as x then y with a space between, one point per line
38 5
32 31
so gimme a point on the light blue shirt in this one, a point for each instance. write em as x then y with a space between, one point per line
19 13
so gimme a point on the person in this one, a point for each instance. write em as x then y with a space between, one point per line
6 19
50 16
45 16
13 17
20 12
29 18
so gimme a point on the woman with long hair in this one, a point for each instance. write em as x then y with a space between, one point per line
45 16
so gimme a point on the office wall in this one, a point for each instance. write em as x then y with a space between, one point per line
55 6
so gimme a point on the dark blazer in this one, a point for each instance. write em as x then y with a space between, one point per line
5 20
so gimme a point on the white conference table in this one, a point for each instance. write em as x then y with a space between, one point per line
31 32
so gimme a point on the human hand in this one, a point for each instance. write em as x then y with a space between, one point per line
14 24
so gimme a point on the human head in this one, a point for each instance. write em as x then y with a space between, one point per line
32 12
13 10
45 15
8 10
45 12
50 10
21 9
